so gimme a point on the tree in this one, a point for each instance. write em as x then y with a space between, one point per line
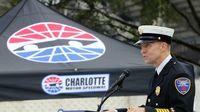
5 5
120 19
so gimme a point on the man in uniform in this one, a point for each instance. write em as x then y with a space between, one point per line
172 88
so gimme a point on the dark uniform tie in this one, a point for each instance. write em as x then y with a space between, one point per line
155 79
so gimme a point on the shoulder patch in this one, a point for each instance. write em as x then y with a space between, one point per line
182 85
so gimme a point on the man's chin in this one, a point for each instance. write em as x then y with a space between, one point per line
147 62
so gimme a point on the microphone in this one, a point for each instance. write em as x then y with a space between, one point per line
114 87
120 80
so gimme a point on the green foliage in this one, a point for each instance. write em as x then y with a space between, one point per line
152 9
117 6
7 6
14 2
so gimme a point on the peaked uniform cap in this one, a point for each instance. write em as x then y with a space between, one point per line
149 33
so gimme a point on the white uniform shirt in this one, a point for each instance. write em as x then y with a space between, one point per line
161 66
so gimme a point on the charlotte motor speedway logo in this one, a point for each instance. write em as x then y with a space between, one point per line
54 84
50 42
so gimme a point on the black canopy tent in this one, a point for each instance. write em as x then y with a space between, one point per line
21 76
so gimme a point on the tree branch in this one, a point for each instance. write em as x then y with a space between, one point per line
194 12
188 57
186 44
185 17
92 7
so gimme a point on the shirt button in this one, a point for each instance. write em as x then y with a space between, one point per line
172 109
149 100
156 104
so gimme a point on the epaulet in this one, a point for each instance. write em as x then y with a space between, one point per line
177 67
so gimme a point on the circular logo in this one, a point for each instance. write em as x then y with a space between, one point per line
52 84
50 42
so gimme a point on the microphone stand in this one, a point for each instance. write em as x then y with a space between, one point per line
108 94
114 88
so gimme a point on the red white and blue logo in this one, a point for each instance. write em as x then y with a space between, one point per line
66 84
52 84
182 85
50 42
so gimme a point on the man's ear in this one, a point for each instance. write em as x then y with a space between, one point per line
165 45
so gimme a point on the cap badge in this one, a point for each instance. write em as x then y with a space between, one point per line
157 91
140 31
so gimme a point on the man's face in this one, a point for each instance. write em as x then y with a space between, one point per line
151 52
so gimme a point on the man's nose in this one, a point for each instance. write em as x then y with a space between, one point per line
142 50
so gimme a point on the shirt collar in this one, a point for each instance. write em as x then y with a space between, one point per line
164 62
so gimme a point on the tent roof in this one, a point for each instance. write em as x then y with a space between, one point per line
117 54
27 74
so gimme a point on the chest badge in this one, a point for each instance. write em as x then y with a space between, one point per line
157 91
